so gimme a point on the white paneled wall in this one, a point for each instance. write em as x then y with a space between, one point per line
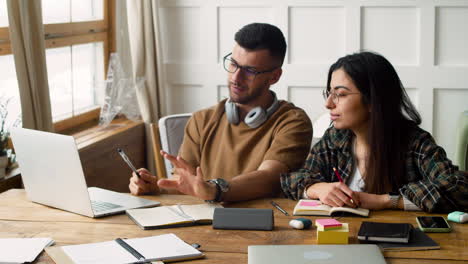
426 41
394 31
316 34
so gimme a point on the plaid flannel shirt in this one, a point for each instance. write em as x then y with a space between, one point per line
434 183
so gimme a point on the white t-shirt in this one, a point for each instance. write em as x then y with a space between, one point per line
357 184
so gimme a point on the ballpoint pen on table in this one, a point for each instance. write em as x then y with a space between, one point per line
341 180
127 160
131 250
279 208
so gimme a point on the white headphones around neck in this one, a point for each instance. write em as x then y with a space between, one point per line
255 117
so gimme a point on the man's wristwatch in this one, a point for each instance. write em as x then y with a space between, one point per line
394 199
222 186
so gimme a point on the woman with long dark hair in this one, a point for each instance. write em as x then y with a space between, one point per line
375 143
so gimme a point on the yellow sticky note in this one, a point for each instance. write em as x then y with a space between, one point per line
336 236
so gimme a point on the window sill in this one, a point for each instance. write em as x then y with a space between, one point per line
78 123
87 138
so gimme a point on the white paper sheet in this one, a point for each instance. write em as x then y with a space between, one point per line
20 250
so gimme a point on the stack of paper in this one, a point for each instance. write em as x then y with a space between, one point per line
327 224
331 231
20 250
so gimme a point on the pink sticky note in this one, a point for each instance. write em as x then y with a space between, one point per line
327 222
309 203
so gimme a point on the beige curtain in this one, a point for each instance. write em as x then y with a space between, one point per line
144 48
27 43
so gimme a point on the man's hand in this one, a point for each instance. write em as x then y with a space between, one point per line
187 179
144 185
335 194
373 201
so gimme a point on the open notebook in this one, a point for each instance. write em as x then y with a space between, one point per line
315 207
167 247
173 216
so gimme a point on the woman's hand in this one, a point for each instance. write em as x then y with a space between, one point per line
373 201
335 194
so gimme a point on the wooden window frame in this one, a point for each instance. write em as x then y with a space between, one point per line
67 34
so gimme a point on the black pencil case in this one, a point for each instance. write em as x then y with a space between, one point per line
243 219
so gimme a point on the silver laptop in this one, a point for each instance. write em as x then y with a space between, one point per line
309 254
52 175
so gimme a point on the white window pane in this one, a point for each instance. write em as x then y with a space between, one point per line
56 11
85 10
60 85
88 73
64 11
9 89
3 14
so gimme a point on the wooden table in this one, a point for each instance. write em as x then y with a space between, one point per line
22 218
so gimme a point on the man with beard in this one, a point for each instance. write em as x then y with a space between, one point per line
237 149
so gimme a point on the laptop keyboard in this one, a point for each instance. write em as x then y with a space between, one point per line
99 206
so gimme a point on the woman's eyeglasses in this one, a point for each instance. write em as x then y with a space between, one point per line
335 96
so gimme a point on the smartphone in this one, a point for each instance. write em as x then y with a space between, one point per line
433 224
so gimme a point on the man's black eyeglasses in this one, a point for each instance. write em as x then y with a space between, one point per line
231 66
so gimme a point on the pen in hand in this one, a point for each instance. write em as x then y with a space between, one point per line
127 160
341 180
279 208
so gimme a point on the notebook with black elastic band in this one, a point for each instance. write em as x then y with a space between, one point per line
385 232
